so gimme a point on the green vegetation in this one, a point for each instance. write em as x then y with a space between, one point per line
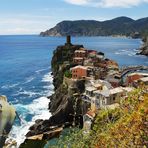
68 74
122 127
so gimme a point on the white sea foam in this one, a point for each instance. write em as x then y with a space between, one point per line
29 79
38 109
128 52
47 78
10 86
38 71
27 93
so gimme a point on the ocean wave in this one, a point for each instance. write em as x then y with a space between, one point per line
48 87
29 79
47 78
10 86
27 93
129 52
38 108
44 69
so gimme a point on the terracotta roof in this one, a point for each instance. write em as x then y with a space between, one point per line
91 113
138 73
145 79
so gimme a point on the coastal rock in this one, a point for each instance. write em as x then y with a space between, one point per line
7 117
144 48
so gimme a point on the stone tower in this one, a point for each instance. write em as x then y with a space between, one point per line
68 40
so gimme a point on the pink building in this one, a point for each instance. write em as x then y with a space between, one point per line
79 72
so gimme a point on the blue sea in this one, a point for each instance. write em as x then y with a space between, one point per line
25 71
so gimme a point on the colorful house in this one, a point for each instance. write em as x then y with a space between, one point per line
78 60
79 72
131 78
80 53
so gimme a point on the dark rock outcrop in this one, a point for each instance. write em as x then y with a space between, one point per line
144 48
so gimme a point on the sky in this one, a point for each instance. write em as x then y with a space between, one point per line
34 16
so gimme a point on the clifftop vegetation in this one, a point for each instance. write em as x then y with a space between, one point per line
122 127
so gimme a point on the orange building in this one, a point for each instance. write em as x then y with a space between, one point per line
79 72
133 77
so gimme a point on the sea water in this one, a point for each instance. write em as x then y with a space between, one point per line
25 71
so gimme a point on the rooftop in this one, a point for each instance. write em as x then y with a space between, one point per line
145 79
79 66
128 89
82 48
97 85
82 51
91 114
116 90
105 93
90 88
138 73
78 58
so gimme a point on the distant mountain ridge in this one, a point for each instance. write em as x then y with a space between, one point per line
118 26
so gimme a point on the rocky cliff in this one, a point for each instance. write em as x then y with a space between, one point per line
118 26
65 104
144 48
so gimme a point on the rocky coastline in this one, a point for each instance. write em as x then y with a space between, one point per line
67 109
68 105
144 48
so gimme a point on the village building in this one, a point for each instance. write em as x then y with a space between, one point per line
114 78
101 94
143 80
100 55
92 53
79 72
109 64
88 62
78 60
133 77
80 53
87 120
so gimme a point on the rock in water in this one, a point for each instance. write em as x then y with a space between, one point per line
144 48
7 116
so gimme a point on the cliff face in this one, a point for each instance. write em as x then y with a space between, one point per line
66 108
117 26
62 101
61 61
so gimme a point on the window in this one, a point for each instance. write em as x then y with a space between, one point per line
114 97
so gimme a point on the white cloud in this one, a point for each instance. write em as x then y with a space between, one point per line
107 3
78 2
24 24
